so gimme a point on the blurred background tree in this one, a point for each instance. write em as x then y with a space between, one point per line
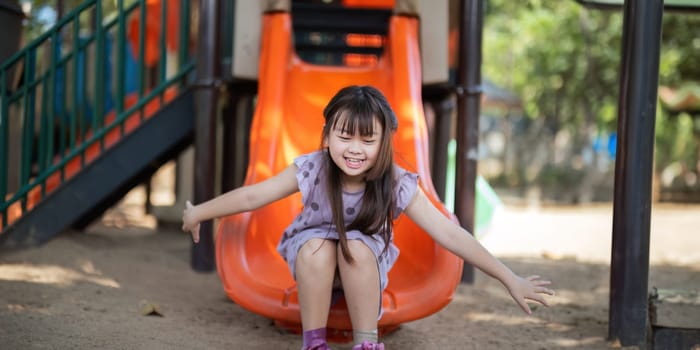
563 60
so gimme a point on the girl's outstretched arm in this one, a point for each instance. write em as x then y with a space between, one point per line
461 243
242 199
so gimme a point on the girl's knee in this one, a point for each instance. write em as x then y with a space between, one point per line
318 254
360 252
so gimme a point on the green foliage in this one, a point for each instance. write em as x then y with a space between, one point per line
563 60
558 56
676 140
681 49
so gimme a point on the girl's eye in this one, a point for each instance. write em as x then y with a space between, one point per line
369 142
343 138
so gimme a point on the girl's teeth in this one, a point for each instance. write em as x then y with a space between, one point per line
353 162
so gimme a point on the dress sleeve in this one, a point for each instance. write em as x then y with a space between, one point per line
406 186
308 166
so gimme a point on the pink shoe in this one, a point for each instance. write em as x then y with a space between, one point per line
366 345
315 339
317 344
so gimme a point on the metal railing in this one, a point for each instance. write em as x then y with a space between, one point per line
63 109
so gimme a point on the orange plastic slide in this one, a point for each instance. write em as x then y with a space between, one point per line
287 123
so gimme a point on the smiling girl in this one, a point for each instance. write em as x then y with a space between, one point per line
342 241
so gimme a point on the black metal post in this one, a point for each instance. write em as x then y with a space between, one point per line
443 107
237 118
468 109
629 270
229 121
206 103
60 9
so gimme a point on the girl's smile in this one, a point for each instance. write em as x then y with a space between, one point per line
354 163
353 152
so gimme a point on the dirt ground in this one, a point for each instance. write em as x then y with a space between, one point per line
87 290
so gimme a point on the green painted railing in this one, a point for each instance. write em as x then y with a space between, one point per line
56 113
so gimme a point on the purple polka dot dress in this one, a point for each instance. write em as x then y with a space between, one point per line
315 219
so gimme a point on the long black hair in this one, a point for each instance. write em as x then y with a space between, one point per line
354 109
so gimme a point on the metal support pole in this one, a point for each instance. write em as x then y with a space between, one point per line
230 123
629 270
206 103
60 9
237 118
443 107
468 104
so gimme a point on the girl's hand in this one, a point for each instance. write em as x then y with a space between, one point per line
190 222
530 288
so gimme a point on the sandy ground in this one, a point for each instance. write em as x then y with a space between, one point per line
86 290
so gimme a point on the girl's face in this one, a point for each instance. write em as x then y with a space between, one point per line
352 152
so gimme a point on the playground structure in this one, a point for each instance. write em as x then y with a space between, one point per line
70 184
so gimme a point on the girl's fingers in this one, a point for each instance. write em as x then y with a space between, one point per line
535 279
523 305
545 291
539 285
188 206
539 298
537 293
195 234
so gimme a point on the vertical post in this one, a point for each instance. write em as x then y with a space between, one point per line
238 116
443 107
60 9
44 158
141 71
468 104
120 61
4 143
76 115
629 270
184 42
100 48
229 144
29 92
206 102
163 64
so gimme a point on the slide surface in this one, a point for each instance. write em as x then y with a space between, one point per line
287 122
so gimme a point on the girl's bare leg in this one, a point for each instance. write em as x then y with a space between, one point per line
360 285
315 269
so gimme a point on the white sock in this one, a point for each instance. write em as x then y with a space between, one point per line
360 336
